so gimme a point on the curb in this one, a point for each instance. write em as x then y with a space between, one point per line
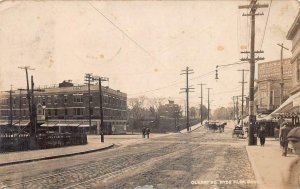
258 178
56 156
191 130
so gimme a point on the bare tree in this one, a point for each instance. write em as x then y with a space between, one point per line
136 110
156 108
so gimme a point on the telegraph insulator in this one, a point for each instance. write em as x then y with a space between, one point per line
217 77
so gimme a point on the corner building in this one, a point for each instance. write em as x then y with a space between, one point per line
66 106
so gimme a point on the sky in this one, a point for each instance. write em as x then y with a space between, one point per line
141 46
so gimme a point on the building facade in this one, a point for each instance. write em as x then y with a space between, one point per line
66 105
294 36
170 110
268 88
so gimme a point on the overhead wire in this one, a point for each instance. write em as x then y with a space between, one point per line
125 34
263 37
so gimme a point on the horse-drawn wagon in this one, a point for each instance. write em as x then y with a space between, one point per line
238 131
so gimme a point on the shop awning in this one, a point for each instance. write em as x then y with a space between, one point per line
49 124
288 106
21 123
14 123
68 124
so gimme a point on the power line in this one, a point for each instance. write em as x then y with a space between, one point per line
262 41
124 33
197 77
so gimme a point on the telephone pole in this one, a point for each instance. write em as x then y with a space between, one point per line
252 7
201 109
20 107
26 68
100 79
10 118
187 89
233 99
237 108
88 78
243 82
208 103
281 71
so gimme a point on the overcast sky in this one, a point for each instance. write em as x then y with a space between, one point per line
141 46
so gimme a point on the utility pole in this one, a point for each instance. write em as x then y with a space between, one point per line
100 79
88 78
29 98
281 71
243 82
10 118
253 7
187 89
201 109
237 107
208 104
33 117
26 68
20 107
233 99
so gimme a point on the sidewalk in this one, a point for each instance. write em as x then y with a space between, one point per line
192 128
93 145
52 153
271 169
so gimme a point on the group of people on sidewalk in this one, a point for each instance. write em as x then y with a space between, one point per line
284 137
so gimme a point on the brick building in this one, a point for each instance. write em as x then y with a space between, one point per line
67 105
268 88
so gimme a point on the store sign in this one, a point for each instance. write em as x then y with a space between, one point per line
272 70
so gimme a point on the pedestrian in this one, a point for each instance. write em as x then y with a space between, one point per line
284 139
148 132
143 132
262 135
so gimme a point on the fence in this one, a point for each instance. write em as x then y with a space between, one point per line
13 142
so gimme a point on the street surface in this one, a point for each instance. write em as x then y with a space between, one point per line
201 159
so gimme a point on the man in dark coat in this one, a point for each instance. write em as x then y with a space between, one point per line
262 135
147 132
284 139
143 132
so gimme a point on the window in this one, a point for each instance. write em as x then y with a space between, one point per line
271 97
55 112
39 99
55 99
4 101
65 98
49 99
66 111
78 111
77 98
44 101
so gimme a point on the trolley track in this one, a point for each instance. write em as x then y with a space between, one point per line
90 169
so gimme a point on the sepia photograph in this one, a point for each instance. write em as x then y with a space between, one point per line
150 94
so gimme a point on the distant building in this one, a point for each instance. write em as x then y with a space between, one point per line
268 88
170 110
67 105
